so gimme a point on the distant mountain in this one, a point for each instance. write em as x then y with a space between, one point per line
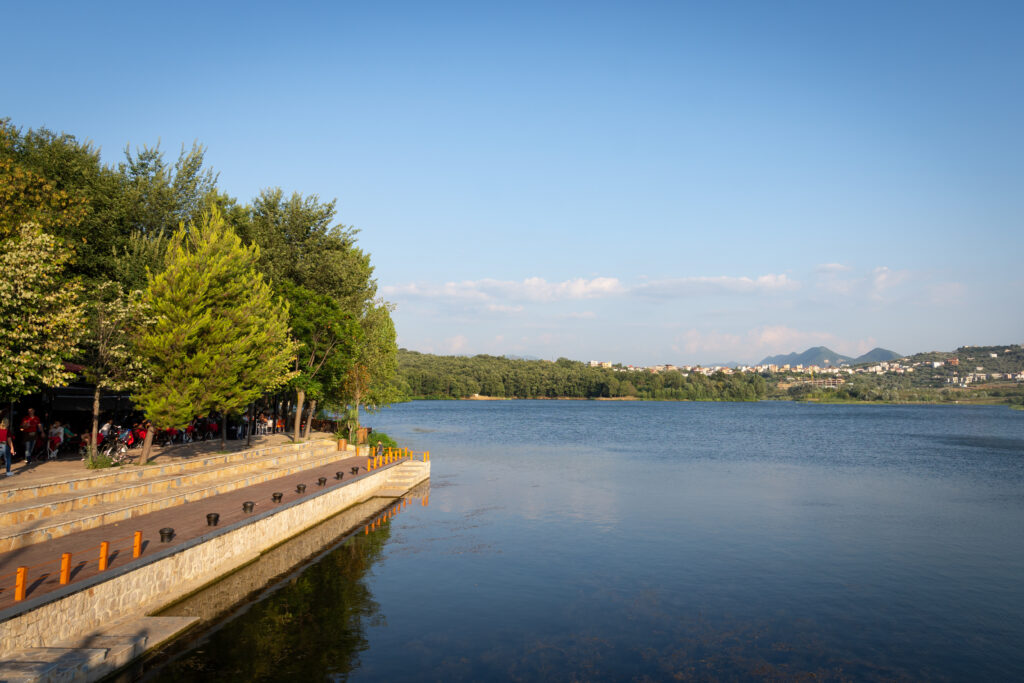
818 355
876 355
822 355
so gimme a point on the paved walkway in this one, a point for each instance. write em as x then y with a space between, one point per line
187 520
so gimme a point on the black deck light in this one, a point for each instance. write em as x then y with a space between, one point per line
248 506
339 475
322 481
355 470
276 497
166 534
212 519
301 488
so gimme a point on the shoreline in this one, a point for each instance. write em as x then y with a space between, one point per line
966 402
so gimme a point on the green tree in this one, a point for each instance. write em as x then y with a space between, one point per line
109 357
40 310
326 334
219 337
369 382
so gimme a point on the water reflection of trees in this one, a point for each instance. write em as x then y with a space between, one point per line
312 626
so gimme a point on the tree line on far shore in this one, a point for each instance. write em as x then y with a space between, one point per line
145 277
425 375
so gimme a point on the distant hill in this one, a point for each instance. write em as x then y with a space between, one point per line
822 355
876 355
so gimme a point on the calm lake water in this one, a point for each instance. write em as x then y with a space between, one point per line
656 541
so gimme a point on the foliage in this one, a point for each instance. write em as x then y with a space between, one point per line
219 338
381 438
41 313
108 354
161 197
26 197
368 381
433 376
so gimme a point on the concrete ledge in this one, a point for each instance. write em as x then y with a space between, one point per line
149 583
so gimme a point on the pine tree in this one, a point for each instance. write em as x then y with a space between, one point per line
219 339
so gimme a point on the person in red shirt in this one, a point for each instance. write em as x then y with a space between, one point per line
30 431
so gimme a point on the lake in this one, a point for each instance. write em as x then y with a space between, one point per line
588 540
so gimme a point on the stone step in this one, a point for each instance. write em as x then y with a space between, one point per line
92 657
28 533
114 476
45 507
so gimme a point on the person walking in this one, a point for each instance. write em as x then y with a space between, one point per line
30 429
6 444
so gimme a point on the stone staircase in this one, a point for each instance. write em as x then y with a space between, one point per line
402 477
40 513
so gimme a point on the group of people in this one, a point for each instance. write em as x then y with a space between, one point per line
35 438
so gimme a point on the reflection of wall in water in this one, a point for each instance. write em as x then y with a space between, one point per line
240 585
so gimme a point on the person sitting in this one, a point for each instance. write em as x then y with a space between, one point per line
56 439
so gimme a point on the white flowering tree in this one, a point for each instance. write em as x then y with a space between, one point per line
41 315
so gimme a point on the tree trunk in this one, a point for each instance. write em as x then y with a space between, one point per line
224 430
147 444
309 420
300 398
95 422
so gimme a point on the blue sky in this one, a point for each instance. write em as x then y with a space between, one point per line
634 182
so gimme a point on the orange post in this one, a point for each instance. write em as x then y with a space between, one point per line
137 544
65 568
369 464
426 456
104 552
19 584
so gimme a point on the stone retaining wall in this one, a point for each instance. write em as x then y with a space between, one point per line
150 583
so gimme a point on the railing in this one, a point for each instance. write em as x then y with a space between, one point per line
393 455
103 554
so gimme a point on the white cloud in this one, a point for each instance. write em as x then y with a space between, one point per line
530 289
455 344
832 268
884 278
499 308
582 315
718 284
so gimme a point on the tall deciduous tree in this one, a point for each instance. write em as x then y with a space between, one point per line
219 337
326 278
368 382
41 315
109 358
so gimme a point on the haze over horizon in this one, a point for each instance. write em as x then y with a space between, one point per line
641 183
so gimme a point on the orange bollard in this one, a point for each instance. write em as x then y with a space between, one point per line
426 456
369 464
65 568
19 584
137 544
104 550
366 530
